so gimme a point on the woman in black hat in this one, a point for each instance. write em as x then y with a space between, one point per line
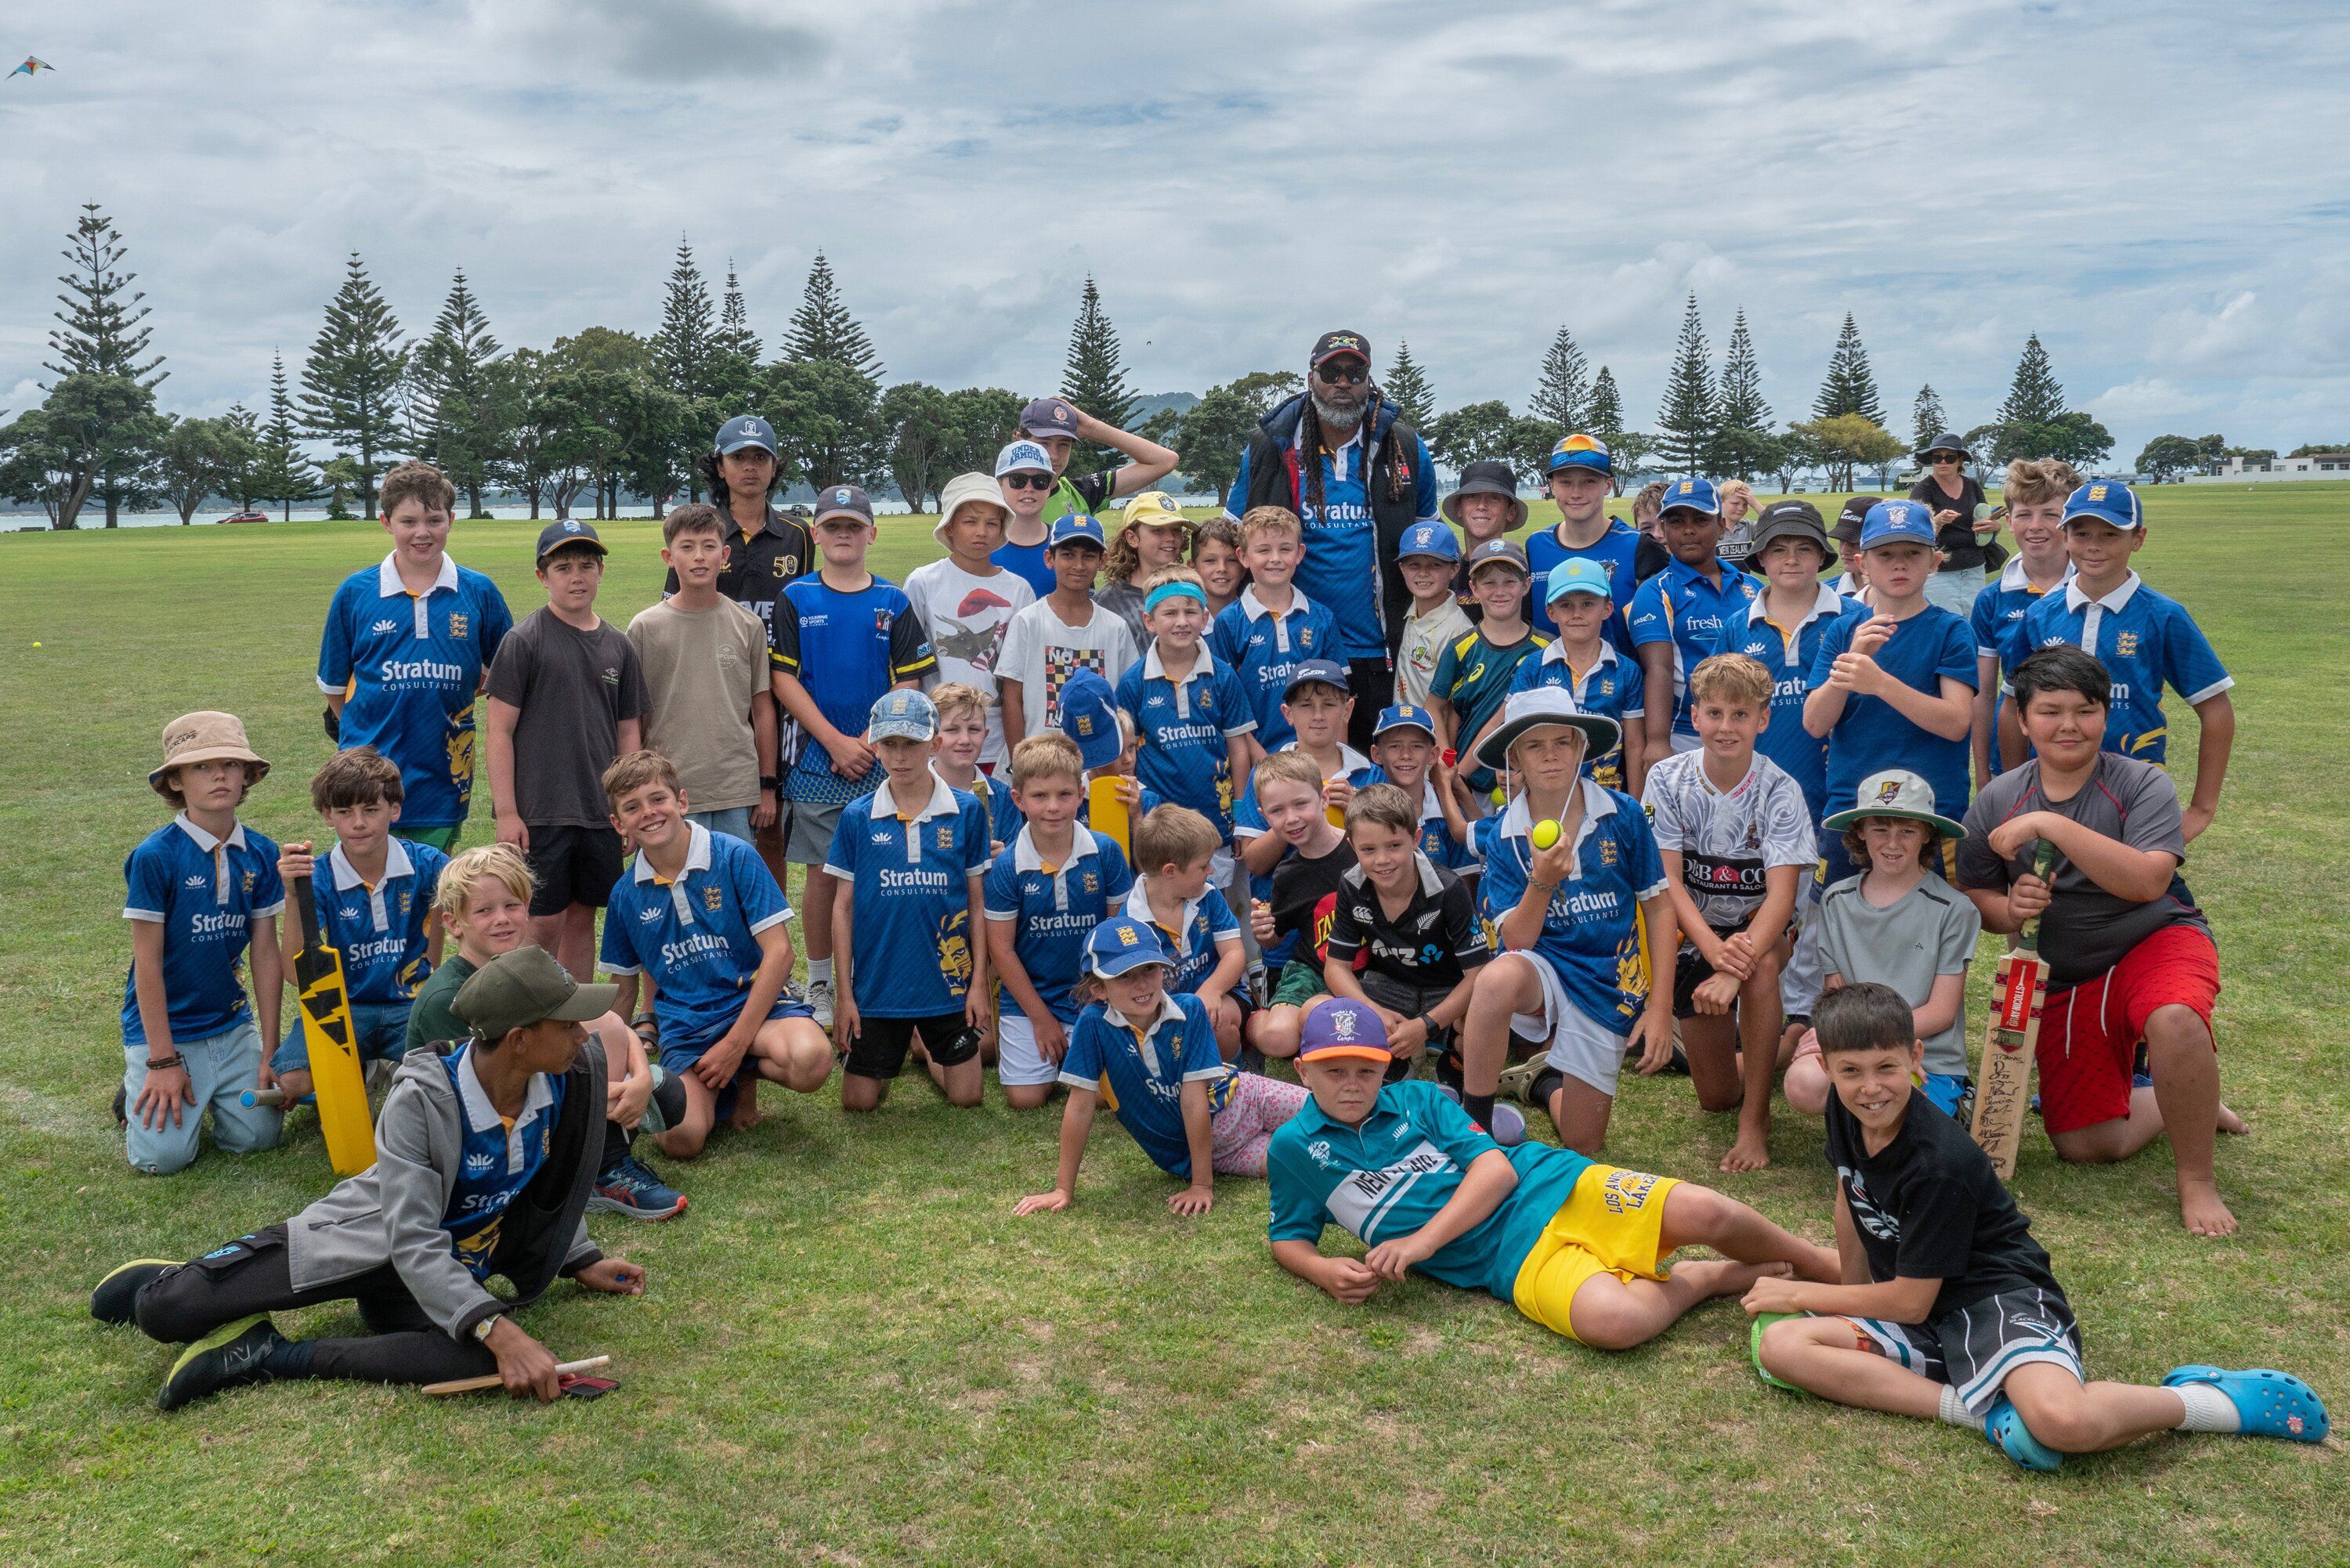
1952 494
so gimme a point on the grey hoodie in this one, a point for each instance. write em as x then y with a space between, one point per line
390 1212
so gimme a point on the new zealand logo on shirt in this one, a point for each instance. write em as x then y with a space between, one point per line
1864 1212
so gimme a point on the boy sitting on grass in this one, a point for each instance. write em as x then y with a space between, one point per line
1581 661
699 913
1194 1114
1578 1246
1296 920
1174 850
1946 1307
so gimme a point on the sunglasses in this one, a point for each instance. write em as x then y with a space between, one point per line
1029 480
1942 457
1350 375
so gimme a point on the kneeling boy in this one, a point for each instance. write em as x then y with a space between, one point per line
1580 1248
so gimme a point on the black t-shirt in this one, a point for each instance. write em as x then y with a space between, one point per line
573 688
1435 942
1305 892
1930 1207
1649 559
758 567
1956 540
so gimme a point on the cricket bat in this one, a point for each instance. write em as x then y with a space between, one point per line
1107 812
2003 1084
491 1380
336 1076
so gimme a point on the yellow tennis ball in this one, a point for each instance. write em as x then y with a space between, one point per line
36 645
1545 834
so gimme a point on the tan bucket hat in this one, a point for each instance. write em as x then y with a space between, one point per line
205 737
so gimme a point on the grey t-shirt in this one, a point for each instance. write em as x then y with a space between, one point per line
1927 932
574 688
2086 929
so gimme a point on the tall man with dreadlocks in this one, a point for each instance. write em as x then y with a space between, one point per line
1357 476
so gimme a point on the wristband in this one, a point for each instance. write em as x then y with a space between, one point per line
770 782
1547 887
166 1064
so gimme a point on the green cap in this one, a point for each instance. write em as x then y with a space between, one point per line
527 986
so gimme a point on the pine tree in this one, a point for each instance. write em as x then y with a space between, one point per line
822 328
734 335
99 331
1925 415
1094 378
2033 397
1406 386
1850 387
1604 415
352 381
1688 417
684 345
1562 395
1743 444
452 411
286 476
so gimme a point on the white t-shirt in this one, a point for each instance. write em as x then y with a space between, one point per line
1041 651
1727 839
965 616
1425 639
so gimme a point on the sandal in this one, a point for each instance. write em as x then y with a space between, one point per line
2273 1404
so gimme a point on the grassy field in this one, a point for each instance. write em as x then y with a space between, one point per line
852 1352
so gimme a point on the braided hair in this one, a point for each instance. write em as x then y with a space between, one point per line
1310 445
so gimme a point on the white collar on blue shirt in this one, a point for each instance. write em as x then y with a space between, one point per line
1556 653
1025 858
1517 822
1154 670
697 854
2114 601
205 841
395 864
482 1116
1828 601
940 803
1167 1013
2013 580
1255 608
1350 761
389 586
1138 906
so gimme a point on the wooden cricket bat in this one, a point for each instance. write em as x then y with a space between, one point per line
336 1076
2004 1084
491 1380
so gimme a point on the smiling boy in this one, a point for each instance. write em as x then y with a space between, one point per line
1580 475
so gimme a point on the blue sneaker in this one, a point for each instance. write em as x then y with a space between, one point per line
630 1188
2005 1431
2270 1403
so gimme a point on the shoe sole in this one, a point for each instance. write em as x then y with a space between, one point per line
117 1271
1518 1082
600 1204
224 1335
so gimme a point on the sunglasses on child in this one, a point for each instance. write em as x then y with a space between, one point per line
1352 373
1029 480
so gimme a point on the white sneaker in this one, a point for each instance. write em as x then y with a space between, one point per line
819 1000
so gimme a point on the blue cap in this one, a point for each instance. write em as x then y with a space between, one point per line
1021 457
1581 450
1119 944
2107 501
1316 672
1404 716
746 430
904 714
1691 495
1892 521
1577 575
568 531
1090 718
1341 1027
1074 526
1429 539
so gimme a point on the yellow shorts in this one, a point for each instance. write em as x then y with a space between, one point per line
1611 1224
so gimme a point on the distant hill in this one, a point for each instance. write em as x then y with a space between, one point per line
1177 401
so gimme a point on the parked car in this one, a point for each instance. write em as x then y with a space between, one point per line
246 517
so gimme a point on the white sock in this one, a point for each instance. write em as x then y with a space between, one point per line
1955 1411
819 970
2208 1409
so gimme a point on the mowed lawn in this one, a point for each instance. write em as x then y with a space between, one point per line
852 1352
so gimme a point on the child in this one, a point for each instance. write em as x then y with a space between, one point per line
700 914
1295 922
1104 734
1404 753
1195 1115
843 638
1318 710
203 888
1580 476
1572 972
2130 958
704 661
376 908
2146 641
1895 688
1405 938
1947 1307
2035 494
1024 476
962 731
1272 629
1897 924
1174 849
1191 717
482 903
912 855
405 647
1474 675
1585 664
566 698
1737 535
1483 505
1216 557
1580 1248
1426 556
1735 839
1066 631
966 601
500 1145
1044 895
1678 615
1854 584
1058 425
1149 542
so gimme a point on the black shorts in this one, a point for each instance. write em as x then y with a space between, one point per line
1690 970
572 865
880 1050
1411 1000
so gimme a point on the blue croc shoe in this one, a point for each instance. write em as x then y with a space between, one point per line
2006 1432
2273 1404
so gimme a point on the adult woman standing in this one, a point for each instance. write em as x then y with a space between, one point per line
1950 492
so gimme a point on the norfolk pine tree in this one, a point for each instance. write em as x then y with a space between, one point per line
1744 443
453 411
1564 393
1406 387
822 328
1604 417
352 381
1687 420
1850 387
1925 416
283 474
1094 378
98 333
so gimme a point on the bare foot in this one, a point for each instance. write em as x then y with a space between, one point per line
2200 1211
746 1117
1750 1152
2230 1122
1723 1277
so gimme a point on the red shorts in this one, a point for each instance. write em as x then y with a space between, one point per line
2089 1032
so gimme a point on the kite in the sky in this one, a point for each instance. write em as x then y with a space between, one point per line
31 64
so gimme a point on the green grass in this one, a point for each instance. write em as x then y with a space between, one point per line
852 1352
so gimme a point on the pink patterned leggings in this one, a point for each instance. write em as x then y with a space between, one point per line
1241 1130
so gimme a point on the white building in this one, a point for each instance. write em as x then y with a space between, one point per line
2316 465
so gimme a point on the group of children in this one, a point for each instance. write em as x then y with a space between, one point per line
1634 803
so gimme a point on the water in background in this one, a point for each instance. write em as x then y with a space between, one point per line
93 518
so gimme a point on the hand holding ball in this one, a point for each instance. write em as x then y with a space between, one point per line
1544 834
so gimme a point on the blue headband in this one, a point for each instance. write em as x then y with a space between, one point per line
1164 591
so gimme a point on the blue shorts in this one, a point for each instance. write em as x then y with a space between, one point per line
221 1067
383 1036
735 821
678 1058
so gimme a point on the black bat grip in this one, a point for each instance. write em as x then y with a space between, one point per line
306 904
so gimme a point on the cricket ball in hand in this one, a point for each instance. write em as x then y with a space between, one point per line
1545 834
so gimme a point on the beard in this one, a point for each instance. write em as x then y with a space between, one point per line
1335 418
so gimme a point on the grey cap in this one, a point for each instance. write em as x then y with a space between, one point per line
527 986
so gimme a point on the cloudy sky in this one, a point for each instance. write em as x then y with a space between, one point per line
2143 185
